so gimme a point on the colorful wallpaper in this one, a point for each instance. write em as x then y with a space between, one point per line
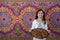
16 18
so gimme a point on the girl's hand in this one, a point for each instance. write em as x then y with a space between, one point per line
30 30
49 31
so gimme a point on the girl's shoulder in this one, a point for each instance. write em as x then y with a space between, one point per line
35 21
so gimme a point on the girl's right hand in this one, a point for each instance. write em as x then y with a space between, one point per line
30 30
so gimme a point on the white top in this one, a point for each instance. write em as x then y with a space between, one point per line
36 24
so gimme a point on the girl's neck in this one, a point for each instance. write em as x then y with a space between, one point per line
39 19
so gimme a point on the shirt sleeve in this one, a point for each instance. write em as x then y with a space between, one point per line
46 26
33 25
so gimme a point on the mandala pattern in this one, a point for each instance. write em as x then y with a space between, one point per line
6 19
27 15
53 18
28 18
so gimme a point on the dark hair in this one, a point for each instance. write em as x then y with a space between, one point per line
36 17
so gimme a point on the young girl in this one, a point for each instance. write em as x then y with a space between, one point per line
39 22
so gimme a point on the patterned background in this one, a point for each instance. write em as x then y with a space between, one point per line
16 18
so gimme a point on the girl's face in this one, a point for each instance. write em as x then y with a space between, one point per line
40 14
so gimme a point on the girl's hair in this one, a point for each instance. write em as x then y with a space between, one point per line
36 17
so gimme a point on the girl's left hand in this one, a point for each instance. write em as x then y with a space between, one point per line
49 31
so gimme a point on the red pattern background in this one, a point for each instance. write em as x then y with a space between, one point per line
16 18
